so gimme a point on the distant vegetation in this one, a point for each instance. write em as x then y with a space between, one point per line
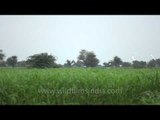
84 59
82 81
42 60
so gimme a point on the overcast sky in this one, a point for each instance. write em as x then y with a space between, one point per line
129 37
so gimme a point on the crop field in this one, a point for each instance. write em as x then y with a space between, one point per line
79 86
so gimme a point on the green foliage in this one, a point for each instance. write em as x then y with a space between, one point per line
158 62
2 55
88 58
82 55
152 63
21 64
126 64
80 86
106 64
91 60
79 63
42 60
57 65
2 64
69 63
139 64
12 61
117 61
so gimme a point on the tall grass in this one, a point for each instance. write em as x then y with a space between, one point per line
82 86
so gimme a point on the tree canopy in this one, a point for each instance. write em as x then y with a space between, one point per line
88 58
139 64
2 55
42 60
84 59
12 61
117 61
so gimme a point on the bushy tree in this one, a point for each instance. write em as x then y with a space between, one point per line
2 64
117 61
82 55
152 63
158 62
42 60
12 61
139 64
108 64
126 64
69 63
57 65
88 58
2 55
105 64
21 63
79 63
91 60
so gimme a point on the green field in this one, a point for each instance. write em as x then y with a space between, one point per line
79 86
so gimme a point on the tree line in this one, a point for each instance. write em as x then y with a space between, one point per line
84 59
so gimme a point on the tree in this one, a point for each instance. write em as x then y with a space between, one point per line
105 64
82 56
69 63
117 61
126 64
58 66
158 62
109 64
2 64
2 55
79 63
152 63
42 60
139 64
12 61
91 60
88 58
21 63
